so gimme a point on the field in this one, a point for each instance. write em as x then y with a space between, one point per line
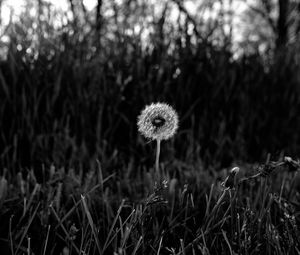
130 212
77 176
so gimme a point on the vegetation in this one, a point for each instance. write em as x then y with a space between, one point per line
77 178
94 213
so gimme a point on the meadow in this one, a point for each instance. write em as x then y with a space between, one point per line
76 176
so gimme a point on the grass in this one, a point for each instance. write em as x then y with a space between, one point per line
69 99
98 214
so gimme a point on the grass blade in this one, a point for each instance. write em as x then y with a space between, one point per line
90 220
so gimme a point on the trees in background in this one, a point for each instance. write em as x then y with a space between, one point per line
75 80
275 22
241 26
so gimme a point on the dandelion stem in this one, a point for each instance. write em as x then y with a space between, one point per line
157 156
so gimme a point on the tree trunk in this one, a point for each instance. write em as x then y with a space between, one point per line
282 26
298 25
0 12
98 16
39 21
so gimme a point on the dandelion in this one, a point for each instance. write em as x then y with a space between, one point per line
293 165
158 122
230 179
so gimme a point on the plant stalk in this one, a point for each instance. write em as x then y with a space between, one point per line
157 156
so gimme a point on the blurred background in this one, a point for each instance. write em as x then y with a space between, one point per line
75 74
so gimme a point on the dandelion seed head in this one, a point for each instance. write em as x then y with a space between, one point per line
158 121
230 180
235 170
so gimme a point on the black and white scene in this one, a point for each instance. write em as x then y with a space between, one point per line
149 127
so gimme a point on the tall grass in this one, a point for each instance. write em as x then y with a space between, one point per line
69 102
